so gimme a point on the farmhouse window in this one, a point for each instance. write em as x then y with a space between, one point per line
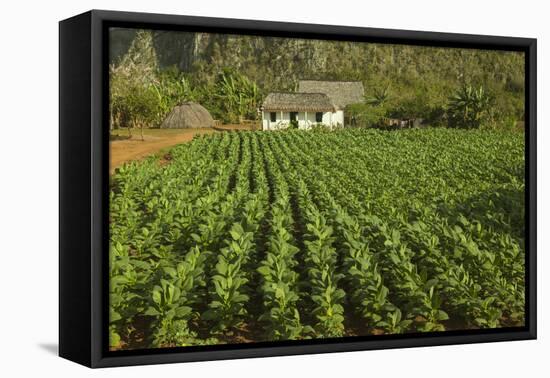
273 116
318 117
293 116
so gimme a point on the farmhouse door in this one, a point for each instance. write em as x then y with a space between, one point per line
293 116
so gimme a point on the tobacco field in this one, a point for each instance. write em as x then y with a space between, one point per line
260 236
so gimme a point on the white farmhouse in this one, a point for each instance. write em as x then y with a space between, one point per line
279 110
316 102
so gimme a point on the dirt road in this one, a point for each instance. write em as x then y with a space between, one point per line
126 149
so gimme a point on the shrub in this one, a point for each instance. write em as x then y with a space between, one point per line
130 84
365 115
319 128
436 116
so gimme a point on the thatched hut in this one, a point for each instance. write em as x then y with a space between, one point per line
188 115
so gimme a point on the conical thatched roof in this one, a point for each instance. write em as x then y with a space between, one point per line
341 93
293 101
188 115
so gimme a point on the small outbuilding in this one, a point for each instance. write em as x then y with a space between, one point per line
188 115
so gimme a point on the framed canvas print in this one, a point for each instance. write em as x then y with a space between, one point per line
233 188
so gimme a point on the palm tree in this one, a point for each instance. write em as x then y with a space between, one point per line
468 107
380 96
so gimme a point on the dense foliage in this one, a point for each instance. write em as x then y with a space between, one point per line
142 94
231 74
255 236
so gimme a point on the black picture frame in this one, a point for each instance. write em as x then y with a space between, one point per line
84 170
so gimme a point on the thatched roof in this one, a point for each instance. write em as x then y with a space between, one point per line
186 116
292 101
341 93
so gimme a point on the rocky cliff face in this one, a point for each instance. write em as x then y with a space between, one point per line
279 62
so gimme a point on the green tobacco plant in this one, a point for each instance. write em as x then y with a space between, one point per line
395 324
433 314
280 284
262 236
170 313
126 279
369 294
490 315
326 295
227 308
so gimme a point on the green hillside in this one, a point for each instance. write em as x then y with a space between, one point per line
418 80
